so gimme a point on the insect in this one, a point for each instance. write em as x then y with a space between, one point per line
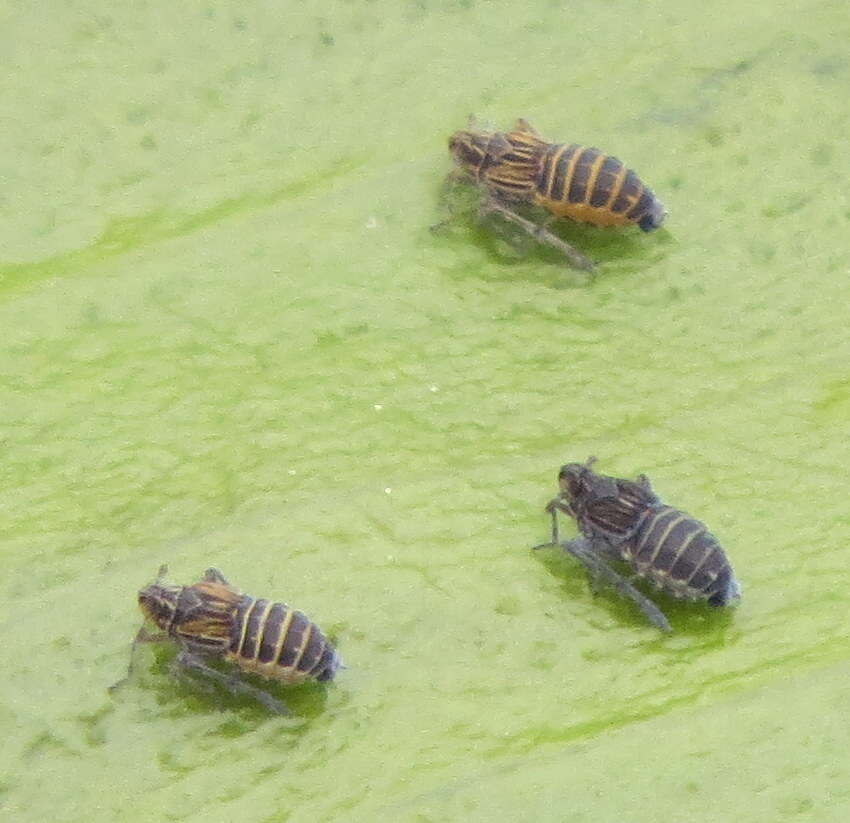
625 520
573 181
212 619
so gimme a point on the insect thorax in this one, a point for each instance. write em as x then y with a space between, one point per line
610 508
205 615
513 172
506 163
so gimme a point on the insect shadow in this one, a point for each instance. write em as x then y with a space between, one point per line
508 245
685 617
154 665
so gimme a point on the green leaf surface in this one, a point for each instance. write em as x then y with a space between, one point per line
231 338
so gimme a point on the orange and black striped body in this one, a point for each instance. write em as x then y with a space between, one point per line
668 547
272 640
583 184
573 181
213 618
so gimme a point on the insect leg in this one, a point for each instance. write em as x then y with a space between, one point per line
539 233
183 671
555 505
232 683
555 532
643 482
142 636
523 125
600 571
454 180
213 575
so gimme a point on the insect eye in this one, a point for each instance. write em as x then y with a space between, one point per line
147 604
571 480
464 150
157 604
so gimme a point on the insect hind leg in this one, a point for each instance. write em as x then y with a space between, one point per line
233 683
539 232
601 573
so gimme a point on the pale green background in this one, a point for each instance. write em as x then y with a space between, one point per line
230 338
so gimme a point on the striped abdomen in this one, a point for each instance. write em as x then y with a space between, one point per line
677 553
582 183
275 641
